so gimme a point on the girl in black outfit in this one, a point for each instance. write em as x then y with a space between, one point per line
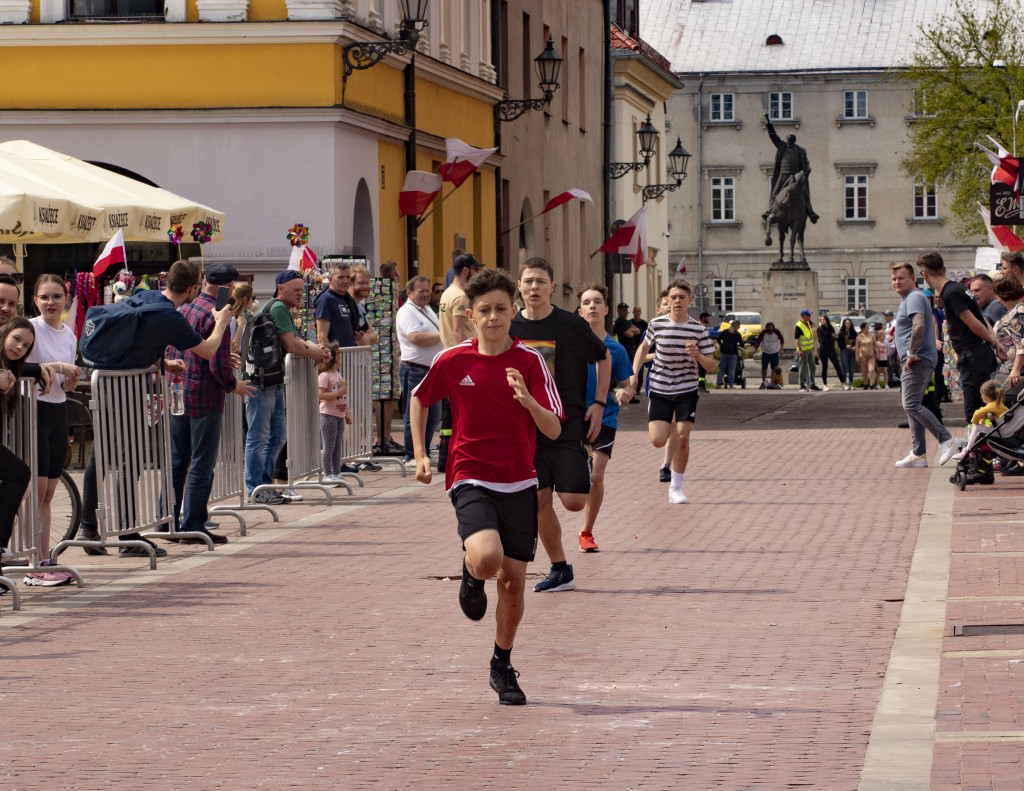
16 340
847 349
827 350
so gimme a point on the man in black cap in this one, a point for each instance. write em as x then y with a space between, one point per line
195 435
625 331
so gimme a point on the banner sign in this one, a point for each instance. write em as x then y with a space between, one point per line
1005 203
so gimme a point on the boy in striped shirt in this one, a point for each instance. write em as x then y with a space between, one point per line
682 347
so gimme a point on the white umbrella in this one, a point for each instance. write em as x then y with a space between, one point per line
47 197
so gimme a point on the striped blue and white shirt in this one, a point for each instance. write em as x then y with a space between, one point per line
674 371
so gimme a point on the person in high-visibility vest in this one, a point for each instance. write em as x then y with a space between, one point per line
806 347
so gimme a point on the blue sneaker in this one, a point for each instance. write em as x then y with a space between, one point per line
556 580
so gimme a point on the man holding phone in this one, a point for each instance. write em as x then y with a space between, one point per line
195 435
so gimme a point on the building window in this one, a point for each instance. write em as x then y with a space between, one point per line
106 9
721 294
856 204
855 104
721 107
921 106
924 201
780 106
723 203
856 293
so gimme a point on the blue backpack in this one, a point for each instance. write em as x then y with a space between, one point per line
108 335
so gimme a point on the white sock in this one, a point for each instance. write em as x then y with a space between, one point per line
677 480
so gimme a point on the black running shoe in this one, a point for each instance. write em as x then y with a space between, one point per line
664 474
472 597
503 681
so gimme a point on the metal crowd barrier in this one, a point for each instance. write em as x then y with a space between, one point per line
229 471
357 370
302 428
131 427
19 435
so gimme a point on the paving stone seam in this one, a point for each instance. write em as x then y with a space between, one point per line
981 736
133 579
901 745
985 653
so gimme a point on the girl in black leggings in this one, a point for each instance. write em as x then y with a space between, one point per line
16 341
827 350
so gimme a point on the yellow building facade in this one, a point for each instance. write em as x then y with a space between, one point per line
256 118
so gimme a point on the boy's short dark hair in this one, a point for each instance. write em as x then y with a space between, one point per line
537 263
489 280
680 284
931 261
1014 259
7 280
182 276
662 294
602 290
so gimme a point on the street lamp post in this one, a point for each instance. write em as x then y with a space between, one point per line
677 162
363 55
648 136
1014 104
548 64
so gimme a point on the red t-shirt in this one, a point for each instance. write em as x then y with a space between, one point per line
493 436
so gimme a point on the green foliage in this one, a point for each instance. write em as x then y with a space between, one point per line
960 97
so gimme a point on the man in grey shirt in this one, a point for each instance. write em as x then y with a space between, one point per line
991 308
915 345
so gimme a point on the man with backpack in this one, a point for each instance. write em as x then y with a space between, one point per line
271 338
150 322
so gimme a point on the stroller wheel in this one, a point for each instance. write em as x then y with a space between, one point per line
961 480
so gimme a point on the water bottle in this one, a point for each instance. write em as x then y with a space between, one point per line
177 396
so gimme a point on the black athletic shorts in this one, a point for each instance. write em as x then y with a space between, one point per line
605 441
512 514
52 438
672 409
562 464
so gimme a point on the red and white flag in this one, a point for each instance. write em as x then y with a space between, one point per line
71 320
418 192
462 160
113 253
565 197
302 258
681 269
1000 235
630 239
1005 168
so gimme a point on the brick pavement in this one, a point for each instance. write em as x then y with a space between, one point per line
738 642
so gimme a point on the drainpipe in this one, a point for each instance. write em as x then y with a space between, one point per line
703 301
498 209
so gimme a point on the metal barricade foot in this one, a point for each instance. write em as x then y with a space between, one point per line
229 511
12 586
176 535
386 460
302 485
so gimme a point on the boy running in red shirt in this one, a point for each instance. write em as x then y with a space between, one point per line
501 394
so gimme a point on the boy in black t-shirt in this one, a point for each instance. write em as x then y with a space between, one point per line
568 345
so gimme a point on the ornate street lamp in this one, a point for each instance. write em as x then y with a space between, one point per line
548 63
363 54
648 139
677 162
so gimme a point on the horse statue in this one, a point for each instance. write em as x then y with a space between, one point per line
789 213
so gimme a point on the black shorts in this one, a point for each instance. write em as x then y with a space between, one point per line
51 438
512 514
604 442
672 409
562 464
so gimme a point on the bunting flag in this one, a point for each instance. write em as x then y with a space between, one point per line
302 258
462 160
565 197
681 269
630 239
1005 169
113 253
418 192
1000 235
71 319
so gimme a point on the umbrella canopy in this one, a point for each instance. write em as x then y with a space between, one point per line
51 198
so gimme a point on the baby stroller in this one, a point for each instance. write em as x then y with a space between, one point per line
1004 438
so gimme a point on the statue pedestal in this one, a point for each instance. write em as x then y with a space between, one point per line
784 293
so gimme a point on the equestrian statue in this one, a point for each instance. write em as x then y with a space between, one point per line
789 206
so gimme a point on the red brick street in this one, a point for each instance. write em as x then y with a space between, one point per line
747 640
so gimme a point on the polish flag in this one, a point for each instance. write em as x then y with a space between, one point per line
1000 235
71 320
1004 167
418 192
462 160
565 197
302 259
630 239
681 269
113 253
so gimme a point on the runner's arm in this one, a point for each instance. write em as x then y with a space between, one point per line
595 412
418 427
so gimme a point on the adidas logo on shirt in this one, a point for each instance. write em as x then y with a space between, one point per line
467 382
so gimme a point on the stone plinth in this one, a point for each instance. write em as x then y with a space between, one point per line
784 294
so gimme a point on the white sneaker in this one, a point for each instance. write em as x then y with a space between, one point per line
331 480
913 461
676 496
824 387
947 449
291 494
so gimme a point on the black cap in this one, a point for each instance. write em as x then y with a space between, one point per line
285 276
221 274
622 305
466 260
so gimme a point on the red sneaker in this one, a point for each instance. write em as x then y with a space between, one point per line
587 542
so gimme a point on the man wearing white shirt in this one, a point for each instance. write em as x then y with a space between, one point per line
419 338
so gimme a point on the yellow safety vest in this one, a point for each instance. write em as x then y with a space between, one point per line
806 341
